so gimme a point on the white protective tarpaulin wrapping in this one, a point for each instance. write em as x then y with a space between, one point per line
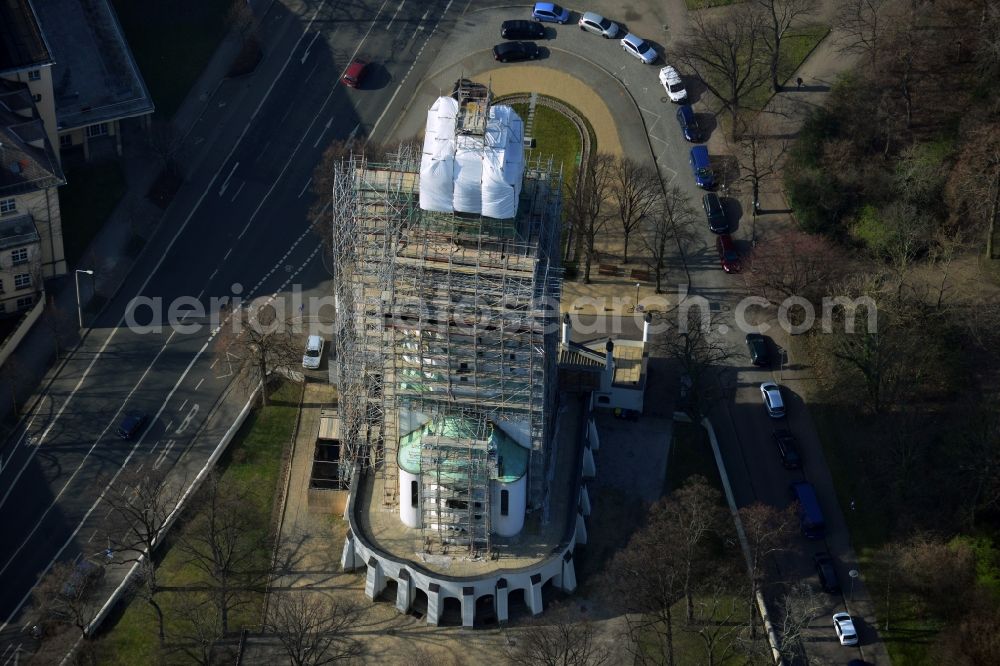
503 163
437 162
469 173
468 197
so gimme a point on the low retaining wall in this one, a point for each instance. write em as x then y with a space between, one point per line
559 568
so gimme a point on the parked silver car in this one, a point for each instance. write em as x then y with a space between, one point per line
598 25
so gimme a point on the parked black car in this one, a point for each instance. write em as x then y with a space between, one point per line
787 449
513 51
757 344
522 30
689 124
131 425
827 573
715 213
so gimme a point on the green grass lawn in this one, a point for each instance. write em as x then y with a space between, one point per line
556 136
253 460
85 202
795 48
172 42
690 454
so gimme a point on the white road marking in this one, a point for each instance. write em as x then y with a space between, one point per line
304 188
114 419
182 405
199 382
395 14
323 132
93 507
163 454
405 76
225 183
187 419
312 71
238 190
120 325
308 48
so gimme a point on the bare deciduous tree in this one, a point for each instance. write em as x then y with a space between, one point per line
726 55
558 642
777 17
718 619
60 325
796 609
863 24
672 223
241 18
66 595
313 628
197 629
257 343
696 509
768 530
164 144
973 189
801 265
645 579
690 339
758 155
223 541
140 504
13 372
638 192
586 205
940 573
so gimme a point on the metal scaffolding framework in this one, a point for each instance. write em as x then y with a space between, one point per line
444 314
455 494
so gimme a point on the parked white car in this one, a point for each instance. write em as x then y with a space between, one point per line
314 352
673 84
844 626
639 47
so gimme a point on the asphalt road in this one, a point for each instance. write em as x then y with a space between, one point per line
240 220
237 227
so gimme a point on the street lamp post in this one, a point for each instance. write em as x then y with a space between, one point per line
637 285
853 573
79 309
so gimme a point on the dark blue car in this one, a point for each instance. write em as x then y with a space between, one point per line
550 12
702 168
689 124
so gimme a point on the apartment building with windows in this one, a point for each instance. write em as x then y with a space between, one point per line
78 68
31 245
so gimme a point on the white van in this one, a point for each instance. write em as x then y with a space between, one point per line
314 352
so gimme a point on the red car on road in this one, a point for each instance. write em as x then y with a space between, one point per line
355 73
728 256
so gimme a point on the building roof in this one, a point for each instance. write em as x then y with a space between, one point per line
95 78
329 424
511 457
22 45
17 231
27 161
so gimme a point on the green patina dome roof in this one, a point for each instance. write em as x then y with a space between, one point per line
511 457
